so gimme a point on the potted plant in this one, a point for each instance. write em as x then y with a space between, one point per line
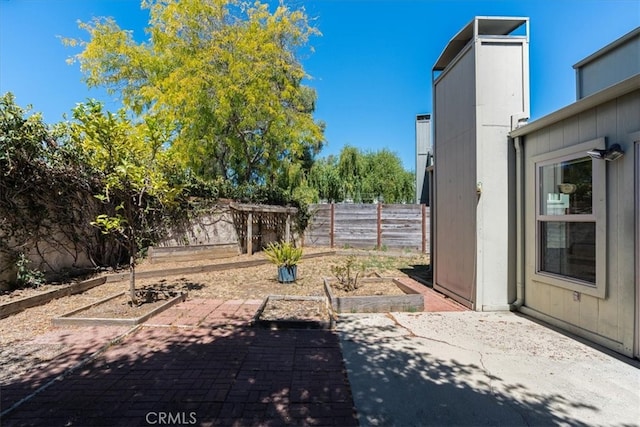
286 257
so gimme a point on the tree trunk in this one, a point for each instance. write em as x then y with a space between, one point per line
132 280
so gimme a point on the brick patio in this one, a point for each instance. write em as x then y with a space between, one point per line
196 363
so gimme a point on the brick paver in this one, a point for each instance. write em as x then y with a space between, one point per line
184 371
197 363
433 301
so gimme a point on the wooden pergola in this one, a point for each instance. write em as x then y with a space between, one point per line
253 211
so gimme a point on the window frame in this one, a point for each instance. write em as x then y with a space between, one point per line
598 216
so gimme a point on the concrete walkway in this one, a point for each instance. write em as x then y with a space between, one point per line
469 368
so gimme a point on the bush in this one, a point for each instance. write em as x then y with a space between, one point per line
347 281
28 277
283 254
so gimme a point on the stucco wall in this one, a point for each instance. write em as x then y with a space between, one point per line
213 226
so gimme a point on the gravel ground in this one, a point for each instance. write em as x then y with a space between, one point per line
20 351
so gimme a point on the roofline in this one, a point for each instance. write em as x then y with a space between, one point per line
608 48
470 31
615 91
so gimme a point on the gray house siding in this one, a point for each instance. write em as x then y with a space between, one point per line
424 151
610 65
483 84
503 70
455 178
609 320
455 156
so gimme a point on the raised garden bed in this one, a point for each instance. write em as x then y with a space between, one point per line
192 252
115 310
294 312
205 268
12 307
409 300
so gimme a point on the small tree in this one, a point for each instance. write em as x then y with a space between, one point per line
129 157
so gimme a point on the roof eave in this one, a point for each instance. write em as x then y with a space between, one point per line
502 26
614 91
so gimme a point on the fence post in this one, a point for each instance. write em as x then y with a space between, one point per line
331 224
424 228
287 228
250 233
379 225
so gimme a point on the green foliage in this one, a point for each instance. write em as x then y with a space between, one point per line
384 178
110 224
224 75
362 177
347 274
21 138
324 177
283 254
350 170
130 158
28 277
45 187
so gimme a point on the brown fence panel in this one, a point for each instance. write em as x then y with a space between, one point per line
369 226
318 232
355 226
401 227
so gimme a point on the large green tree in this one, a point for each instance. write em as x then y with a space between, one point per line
225 75
350 170
385 179
325 178
362 177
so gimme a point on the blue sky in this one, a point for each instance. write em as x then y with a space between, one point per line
371 67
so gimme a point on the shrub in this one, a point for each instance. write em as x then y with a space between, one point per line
347 281
28 277
283 254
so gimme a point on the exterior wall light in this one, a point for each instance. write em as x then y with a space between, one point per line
610 154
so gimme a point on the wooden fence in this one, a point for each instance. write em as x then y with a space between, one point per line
369 226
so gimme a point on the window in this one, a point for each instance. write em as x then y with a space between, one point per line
570 219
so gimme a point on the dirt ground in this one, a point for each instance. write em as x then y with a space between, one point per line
238 283
17 332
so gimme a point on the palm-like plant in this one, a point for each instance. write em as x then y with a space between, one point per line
283 254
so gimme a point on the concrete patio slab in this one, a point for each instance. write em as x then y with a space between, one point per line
470 368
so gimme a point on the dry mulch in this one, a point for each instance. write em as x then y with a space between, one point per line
17 332
295 310
121 307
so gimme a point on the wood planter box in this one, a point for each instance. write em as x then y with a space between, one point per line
192 252
74 318
13 307
326 322
412 301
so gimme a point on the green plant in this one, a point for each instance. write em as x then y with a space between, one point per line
347 281
283 254
28 277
